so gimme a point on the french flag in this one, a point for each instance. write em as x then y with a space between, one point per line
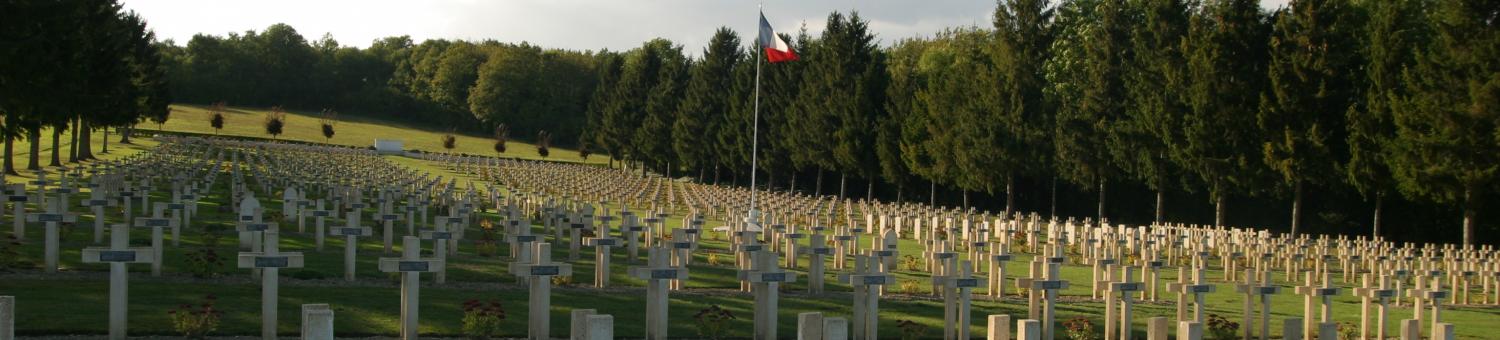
776 49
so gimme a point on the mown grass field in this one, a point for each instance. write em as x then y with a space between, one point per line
352 130
369 306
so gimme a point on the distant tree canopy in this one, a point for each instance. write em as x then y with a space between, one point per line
1304 116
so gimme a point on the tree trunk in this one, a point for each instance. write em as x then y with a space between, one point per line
716 174
34 161
105 140
932 193
792 189
1471 211
56 148
85 140
1296 206
10 161
870 190
1101 200
1218 210
818 189
900 190
770 180
843 181
125 135
966 200
1010 193
73 137
1379 202
1054 197
1160 205
700 174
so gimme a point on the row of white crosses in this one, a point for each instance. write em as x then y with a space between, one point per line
1149 243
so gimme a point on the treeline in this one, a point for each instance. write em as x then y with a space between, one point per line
1305 116
75 67
444 84
1218 99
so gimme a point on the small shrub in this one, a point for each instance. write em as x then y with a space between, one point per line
204 262
10 254
449 142
1348 331
216 120
543 141
275 121
327 119
1220 328
1079 328
502 133
910 287
482 320
713 322
196 321
713 260
562 280
911 263
583 149
911 330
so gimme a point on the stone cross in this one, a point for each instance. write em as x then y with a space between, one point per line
657 272
388 233
998 258
319 215
1324 293
1262 289
118 255
957 286
1050 285
269 260
98 202
538 274
411 265
602 244
17 200
1123 289
817 250
765 280
351 233
439 240
1382 296
156 222
51 242
865 280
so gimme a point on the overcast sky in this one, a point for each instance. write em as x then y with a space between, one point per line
572 24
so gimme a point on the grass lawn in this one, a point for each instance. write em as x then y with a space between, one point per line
370 306
351 130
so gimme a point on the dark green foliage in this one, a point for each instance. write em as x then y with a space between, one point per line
1225 53
1447 145
705 99
1312 48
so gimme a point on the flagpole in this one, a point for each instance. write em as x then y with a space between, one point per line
755 135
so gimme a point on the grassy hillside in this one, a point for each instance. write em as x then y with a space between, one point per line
358 131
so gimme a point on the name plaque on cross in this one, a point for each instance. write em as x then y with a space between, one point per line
16 198
271 262
772 277
156 222
822 251
682 245
412 266
751 247
576 225
116 256
875 280
544 270
176 206
1002 257
843 238
966 283
1127 286
636 229
320 213
437 235
246 218
346 231
94 203
525 238
251 227
49 217
664 274
389 217
883 253
604 242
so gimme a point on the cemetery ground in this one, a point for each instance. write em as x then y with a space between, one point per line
74 301
351 130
